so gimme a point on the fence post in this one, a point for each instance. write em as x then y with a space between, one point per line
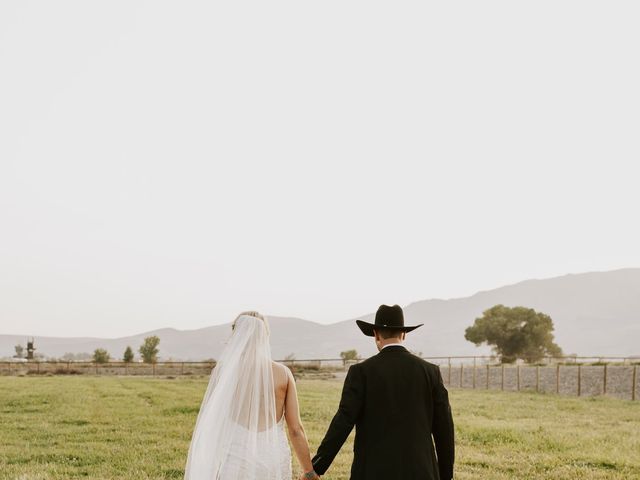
153 369
518 374
558 378
502 380
38 367
604 380
461 371
633 382
182 368
474 372
449 380
537 378
487 376
579 379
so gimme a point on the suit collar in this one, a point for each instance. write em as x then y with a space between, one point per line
393 349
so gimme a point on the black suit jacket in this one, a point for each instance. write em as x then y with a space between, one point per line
397 403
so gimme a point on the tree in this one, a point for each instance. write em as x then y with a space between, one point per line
100 355
349 356
128 355
517 332
19 351
149 349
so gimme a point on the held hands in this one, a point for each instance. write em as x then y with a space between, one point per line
312 475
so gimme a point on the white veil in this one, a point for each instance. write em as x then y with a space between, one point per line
235 436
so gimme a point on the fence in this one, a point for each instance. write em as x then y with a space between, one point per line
581 376
109 368
566 359
616 376
580 380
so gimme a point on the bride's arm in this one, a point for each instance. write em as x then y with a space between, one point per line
297 434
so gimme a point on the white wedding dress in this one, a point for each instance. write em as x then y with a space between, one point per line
237 435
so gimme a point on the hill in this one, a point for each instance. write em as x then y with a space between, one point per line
594 313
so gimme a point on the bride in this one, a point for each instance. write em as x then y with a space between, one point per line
239 433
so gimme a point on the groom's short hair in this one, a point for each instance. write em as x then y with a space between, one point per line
387 333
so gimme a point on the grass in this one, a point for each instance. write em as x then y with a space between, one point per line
139 428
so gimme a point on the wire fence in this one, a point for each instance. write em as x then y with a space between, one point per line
108 368
620 381
575 375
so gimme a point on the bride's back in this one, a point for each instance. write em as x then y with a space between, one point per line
280 387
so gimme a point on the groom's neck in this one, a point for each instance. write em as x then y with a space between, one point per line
388 342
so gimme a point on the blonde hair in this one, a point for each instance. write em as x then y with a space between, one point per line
251 313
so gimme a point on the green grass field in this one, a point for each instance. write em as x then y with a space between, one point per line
139 428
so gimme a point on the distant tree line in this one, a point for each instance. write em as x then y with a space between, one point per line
148 352
513 332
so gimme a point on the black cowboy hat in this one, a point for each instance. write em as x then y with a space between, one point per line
390 318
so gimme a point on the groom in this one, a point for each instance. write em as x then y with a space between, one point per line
397 403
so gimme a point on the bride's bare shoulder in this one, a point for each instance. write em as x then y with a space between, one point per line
280 366
281 371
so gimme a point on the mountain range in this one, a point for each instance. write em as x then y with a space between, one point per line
594 313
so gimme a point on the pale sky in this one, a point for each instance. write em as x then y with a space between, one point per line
170 164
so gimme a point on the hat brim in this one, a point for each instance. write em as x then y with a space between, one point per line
368 328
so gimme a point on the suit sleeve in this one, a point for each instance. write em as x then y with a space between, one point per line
442 428
343 421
